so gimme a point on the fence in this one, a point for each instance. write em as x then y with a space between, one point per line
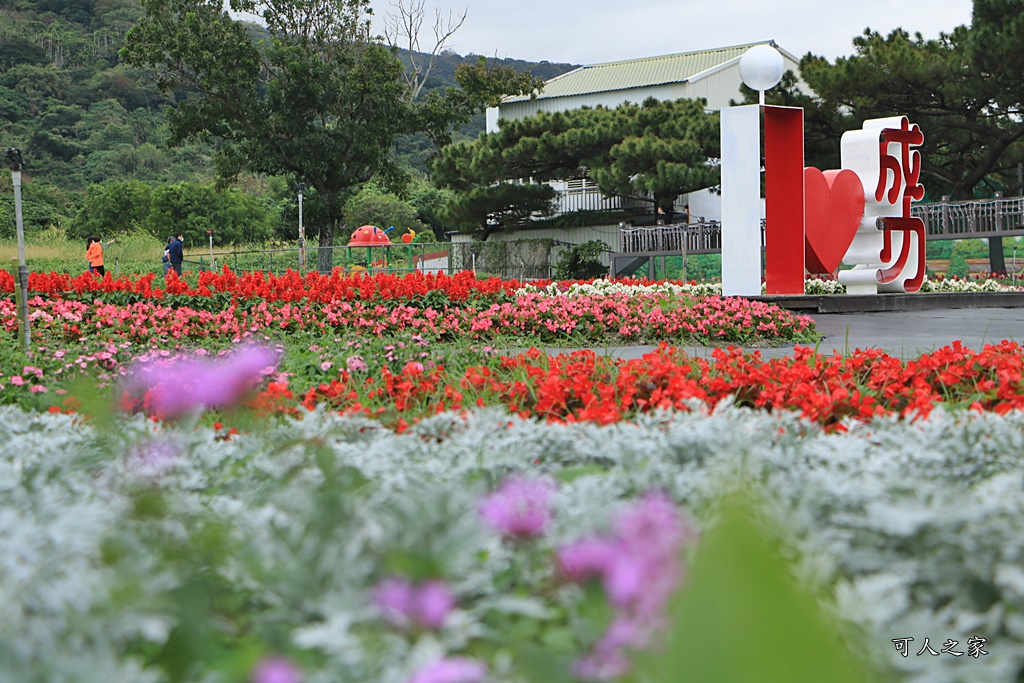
978 218
700 238
520 260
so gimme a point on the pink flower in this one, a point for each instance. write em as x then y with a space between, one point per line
519 508
356 364
37 389
426 605
276 670
326 365
17 381
451 670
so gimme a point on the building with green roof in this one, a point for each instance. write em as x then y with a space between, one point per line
710 74
713 75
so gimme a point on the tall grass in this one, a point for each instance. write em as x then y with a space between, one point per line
135 253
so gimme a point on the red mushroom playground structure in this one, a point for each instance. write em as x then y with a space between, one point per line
371 237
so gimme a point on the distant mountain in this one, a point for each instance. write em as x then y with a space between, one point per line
447 62
82 117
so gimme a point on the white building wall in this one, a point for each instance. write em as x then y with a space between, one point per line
704 204
718 88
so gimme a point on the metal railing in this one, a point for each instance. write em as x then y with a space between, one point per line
944 220
703 237
975 218
590 199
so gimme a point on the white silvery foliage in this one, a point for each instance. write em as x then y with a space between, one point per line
904 529
54 516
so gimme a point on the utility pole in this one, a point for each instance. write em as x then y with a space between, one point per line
21 286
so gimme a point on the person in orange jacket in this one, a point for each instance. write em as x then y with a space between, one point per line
94 252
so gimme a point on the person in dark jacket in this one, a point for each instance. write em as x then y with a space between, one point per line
166 258
175 254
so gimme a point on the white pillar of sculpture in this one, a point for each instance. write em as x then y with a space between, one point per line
741 201
761 68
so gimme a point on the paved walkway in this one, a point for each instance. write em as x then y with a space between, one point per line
906 334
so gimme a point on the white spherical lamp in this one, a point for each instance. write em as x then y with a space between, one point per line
761 68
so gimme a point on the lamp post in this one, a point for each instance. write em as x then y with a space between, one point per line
302 234
16 162
210 233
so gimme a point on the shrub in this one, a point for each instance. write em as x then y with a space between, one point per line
581 261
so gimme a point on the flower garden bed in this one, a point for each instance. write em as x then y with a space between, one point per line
367 489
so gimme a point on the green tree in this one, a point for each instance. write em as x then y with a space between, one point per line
18 51
315 99
113 208
958 266
14 106
192 209
963 89
375 206
652 152
934 82
429 202
663 152
37 82
940 249
42 206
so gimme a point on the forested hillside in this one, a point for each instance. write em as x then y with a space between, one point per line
81 117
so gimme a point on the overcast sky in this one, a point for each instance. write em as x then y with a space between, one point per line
596 31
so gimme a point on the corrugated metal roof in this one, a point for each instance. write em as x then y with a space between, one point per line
637 73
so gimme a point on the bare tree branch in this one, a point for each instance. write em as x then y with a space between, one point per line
402 29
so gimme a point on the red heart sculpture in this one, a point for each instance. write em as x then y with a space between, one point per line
833 210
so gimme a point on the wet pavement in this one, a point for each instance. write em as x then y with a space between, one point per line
906 334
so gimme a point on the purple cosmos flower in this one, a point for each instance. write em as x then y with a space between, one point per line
434 601
608 660
654 526
639 566
276 670
451 670
586 559
520 507
426 605
186 383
